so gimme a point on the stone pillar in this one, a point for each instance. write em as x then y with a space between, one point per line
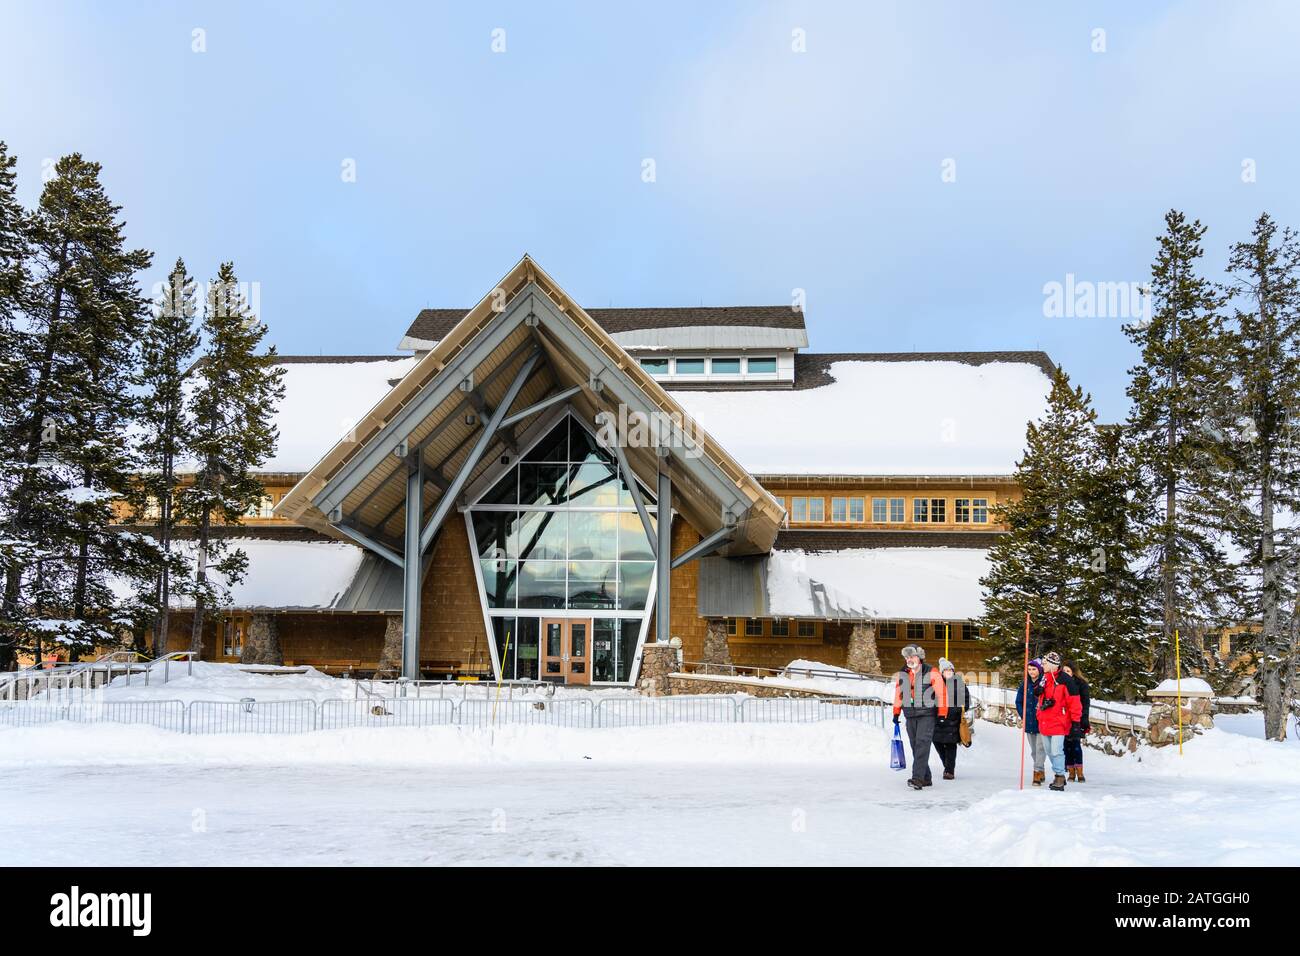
262 643
390 656
657 662
863 656
716 650
1162 722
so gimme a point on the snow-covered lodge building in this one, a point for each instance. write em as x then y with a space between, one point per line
460 508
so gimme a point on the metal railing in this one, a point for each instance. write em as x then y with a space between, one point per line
76 679
301 716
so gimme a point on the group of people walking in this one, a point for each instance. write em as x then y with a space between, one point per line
1052 702
937 707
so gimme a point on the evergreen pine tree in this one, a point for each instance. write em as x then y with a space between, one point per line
16 548
1262 498
1182 375
169 345
235 395
1038 566
79 342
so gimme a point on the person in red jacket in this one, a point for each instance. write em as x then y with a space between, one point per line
921 696
1059 711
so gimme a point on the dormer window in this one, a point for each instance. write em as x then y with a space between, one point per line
726 366
690 366
762 366
655 366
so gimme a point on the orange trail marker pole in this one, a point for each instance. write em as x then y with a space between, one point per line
1024 702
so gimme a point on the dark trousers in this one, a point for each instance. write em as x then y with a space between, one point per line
1073 753
948 754
920 731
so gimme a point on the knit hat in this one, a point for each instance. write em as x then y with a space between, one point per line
945 665
1037 665
914 650
1053 658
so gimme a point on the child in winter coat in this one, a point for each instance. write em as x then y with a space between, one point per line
947 729
1073 743
1059 713
1027 708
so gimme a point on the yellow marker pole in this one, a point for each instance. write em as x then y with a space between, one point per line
945 641
1178 677
504 656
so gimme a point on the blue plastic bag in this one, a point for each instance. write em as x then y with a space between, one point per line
897 757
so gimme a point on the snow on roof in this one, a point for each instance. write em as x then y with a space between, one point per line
939 584
323 398
924 417
285 574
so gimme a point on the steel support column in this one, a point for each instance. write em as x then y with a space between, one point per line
411 566
663 555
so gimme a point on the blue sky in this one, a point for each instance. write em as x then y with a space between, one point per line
774 170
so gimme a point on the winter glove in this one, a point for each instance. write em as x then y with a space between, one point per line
1047 703
1076 731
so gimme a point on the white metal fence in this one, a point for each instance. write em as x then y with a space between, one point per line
300 716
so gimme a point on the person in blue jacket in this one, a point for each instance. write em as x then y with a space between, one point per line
1027 710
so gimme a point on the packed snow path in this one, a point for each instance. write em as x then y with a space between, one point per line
678 795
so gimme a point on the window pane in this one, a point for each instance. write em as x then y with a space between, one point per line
629 633
542 484
503 631
807 629
604 630
839 509
816 509
526 656
495 534
980 510
583 445
961 510
541 584
591 585
655 366
499 582
633 545
855 509
780 627
897 508
593 535
753 627
915 631
889 631
594 485
634 584
554 447
544 534
920 509
762 365
690 366
505 491
937 508
879 509
798 509
726 366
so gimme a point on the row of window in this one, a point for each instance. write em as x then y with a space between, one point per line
885 630
759 365
921 631
890 510
774 627
261 509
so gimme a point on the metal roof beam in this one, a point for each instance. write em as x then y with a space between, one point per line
448 499
707 546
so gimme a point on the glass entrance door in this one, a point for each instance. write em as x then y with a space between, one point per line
566 650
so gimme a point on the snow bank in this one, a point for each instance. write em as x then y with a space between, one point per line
969 419
65 744
1190 685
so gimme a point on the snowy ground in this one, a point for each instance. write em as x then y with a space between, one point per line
680 795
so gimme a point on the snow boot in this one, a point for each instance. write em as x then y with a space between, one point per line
1058 783
915 784
1039 776
1069 773
1078 775
947 775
